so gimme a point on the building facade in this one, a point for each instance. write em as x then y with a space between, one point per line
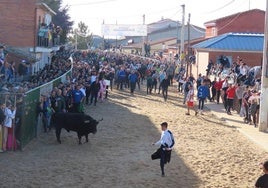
251 21
20 23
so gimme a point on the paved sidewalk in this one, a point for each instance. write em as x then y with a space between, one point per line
249 131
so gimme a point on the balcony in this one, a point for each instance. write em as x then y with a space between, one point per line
48 38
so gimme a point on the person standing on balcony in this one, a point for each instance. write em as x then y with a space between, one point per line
41 35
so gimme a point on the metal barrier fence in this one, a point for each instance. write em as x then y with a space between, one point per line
26 124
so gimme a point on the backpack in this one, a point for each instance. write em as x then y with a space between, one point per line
172 138
187 86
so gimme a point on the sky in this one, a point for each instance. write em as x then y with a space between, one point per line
94 12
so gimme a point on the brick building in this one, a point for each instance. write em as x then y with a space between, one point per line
20 22
228 36
251 21
17 22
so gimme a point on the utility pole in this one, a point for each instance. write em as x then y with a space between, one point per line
75 31
188 46
182 29
143 38
116 39
263 119
177 40
103 37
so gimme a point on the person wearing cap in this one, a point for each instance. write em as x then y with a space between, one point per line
262 181
166 143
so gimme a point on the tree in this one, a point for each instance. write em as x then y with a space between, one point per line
81 36
61 18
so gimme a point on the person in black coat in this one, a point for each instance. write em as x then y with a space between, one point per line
2 114
262 181
165 84
94 89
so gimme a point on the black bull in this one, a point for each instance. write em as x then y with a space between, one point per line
81 123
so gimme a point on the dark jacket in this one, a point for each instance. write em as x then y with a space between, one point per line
94 87
2 116
165 84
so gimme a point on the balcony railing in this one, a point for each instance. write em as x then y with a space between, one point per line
48 36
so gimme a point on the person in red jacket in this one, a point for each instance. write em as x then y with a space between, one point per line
230 95
218 86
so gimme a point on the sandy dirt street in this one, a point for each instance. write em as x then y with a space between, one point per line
207 153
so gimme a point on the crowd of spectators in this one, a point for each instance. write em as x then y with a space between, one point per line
95 72
21 80
236 85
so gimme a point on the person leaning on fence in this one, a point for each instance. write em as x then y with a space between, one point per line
262 181
166 143
10 113
2 118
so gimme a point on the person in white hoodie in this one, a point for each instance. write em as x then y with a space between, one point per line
10 113
166 144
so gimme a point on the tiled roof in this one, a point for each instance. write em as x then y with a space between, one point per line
233 42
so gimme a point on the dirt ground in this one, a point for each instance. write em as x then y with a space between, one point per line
207 153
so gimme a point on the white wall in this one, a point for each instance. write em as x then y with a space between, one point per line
200 66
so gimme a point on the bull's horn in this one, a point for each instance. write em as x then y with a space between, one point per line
100 120
86 121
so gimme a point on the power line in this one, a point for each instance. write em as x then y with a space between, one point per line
92 3
133 15
175 14
220 8
230 21
198 30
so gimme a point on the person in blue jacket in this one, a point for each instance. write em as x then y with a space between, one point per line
202 94
132 80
